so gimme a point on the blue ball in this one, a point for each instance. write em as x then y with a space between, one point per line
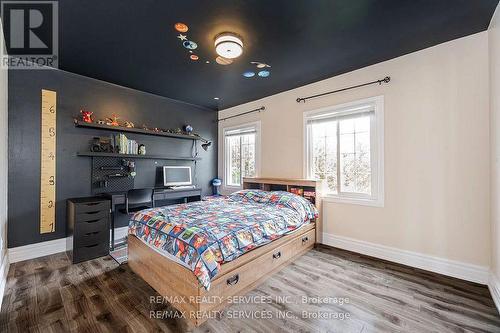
264 73
248 74
188 128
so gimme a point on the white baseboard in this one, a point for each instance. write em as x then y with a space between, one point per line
457 269
41 249
465 271
4 271
494 286
37 250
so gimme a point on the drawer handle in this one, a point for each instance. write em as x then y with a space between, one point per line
93 221
93 203
277 255
305 239
91 233
233 280
91 213
90 246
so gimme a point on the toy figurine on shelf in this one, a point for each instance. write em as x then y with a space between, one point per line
129 124
86 116
131 167
188 129
101 122
101 144
142 149
113 121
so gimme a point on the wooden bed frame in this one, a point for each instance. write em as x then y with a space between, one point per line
180 286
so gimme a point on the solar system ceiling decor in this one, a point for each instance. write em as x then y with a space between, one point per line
166 47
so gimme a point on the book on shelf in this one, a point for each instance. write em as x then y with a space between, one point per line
297 190
124 145
310 195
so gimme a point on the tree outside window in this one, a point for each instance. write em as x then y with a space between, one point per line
240 157
345 149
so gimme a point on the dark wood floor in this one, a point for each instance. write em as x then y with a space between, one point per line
51 295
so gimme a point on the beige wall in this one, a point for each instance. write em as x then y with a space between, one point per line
436 150
3 173
494 45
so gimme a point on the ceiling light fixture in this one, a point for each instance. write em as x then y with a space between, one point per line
228 45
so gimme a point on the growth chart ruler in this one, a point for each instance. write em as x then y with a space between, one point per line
48 162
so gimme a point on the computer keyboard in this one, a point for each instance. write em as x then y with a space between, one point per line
183 187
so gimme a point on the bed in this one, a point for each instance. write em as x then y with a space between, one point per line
200 255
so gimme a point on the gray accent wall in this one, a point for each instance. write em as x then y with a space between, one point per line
73 173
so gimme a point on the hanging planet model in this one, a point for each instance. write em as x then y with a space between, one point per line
249 74
223 61
260 64
264 73
190 45
181 27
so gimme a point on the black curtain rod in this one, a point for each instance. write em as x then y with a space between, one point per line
262 108
386 79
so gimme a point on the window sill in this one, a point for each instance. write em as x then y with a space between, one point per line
231 187
353 201
228 189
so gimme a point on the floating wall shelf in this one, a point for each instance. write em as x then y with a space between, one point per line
151 157
135 130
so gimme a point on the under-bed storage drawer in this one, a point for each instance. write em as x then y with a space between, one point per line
236 280
305 242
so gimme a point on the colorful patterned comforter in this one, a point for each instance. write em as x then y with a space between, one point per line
203 235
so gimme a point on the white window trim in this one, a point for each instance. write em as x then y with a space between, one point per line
222 144
378 198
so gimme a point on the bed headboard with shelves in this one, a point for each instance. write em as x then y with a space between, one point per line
307 188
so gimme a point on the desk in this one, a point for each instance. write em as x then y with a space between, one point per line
162 193
171 194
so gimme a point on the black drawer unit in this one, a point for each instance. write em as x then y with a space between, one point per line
88 228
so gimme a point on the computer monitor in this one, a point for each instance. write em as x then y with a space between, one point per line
176 175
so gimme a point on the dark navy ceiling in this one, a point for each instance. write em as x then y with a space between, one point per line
133 43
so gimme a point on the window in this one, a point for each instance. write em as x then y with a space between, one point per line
344 147
240 153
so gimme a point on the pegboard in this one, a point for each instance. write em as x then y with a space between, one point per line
101 176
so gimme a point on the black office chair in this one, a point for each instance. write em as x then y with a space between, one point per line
138 199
